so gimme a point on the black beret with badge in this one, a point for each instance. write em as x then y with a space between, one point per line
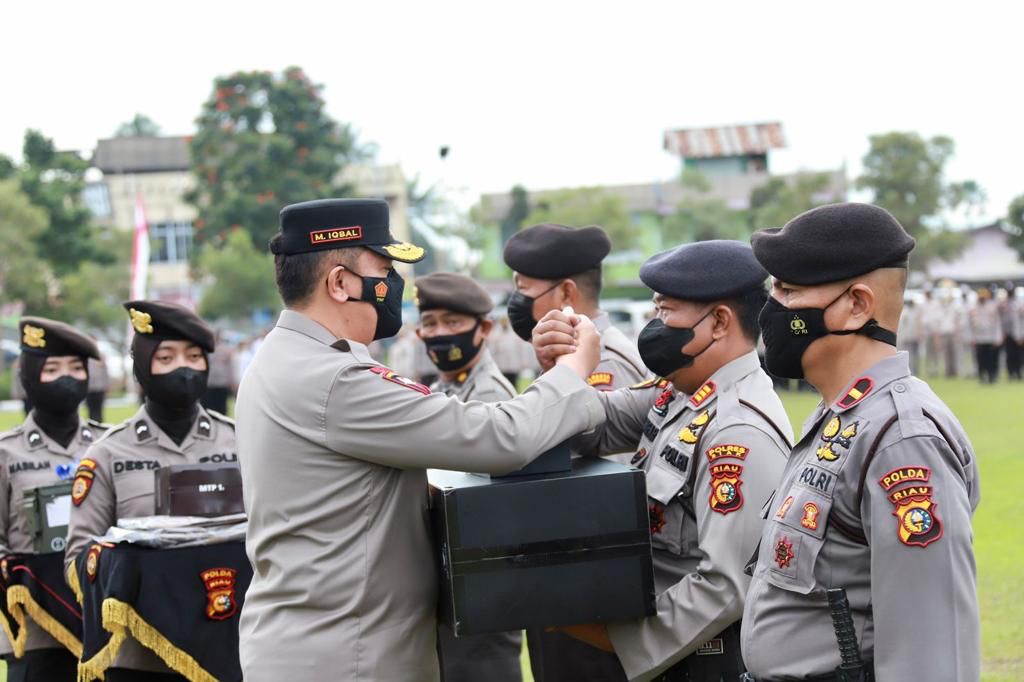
713 270
169 321
833 243
42 336
551 251
449 291
340 223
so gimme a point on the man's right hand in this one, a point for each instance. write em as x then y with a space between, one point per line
553 337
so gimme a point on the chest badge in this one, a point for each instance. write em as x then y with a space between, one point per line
810 517
834 435
787 503
660 406
691 432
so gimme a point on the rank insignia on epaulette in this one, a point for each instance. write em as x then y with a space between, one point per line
220 591
691 432
860 390
141 322
393 377
34 337
726 496
203 426
142 431
702 394
92 562
86 434
600 379
34 438
835 435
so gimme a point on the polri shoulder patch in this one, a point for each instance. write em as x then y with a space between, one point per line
83 480
393 377
701 395
860 390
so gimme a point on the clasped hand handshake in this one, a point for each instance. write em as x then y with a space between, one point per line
563 337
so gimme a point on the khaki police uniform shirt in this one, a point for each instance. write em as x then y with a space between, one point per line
712 461
876 498
333 450
124 486
30 459
620 365
483 382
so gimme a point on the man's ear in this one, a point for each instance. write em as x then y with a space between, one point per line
336 284
570 292
722 318
486 325
862 306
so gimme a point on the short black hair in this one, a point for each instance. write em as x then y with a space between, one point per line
747 307
589 283
298 274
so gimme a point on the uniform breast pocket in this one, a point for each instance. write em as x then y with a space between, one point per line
797 535
665 508
136 493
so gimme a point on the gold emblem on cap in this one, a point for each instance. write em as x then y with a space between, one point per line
142 322
33 337
404 251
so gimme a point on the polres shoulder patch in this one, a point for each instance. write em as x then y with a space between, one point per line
395 378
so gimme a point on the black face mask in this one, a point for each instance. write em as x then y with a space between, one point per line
385 295
520 313
661 347
449 353
787 334
59 397
179 390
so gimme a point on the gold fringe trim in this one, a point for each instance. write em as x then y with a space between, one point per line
72 579
120 620
19 600
7 628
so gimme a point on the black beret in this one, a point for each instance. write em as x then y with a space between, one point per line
169 321
41 336
448 291
339 223
711 270
555 251
832 243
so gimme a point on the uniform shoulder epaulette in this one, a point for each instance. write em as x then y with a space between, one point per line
98 424
221 417
650 383
14 431
116 428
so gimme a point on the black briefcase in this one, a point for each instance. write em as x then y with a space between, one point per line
199 490
534 551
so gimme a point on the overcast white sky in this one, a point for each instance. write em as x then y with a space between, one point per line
546 94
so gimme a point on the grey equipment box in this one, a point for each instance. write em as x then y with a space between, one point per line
47 509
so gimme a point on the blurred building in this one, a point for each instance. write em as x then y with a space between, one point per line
987 258
158 170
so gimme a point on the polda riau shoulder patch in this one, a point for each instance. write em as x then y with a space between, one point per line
726 481
393 377
914 506
83 481
220 592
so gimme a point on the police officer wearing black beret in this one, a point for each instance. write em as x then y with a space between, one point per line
40 452
877 496
712 436
116 478
557 266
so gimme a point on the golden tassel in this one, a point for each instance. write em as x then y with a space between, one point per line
19 600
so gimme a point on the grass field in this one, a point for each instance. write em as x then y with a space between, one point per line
994 419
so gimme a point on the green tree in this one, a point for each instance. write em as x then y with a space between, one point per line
905 174
587 206
1015 217
774 203
54 181
518 209
91 296
239 277
24 276
264 141
140 126
702 216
